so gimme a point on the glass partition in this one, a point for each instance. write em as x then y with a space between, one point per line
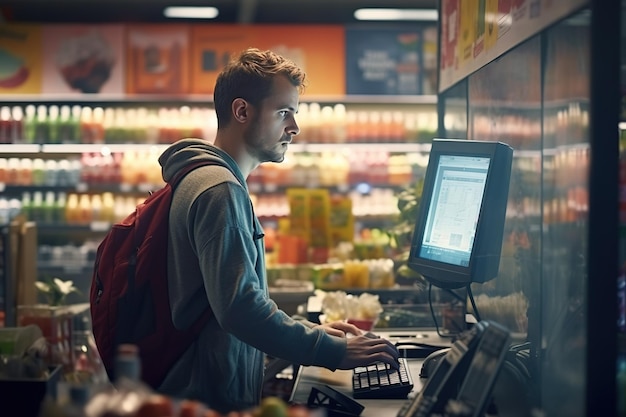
536 98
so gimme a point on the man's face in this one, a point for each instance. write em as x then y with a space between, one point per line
273 123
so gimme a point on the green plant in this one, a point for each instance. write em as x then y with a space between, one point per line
402 232
56 290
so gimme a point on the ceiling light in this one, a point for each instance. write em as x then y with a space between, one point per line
396 14
191 12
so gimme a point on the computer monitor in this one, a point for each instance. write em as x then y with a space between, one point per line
458 234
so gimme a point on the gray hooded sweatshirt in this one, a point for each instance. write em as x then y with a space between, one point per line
216 258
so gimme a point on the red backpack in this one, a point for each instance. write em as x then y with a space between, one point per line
129 290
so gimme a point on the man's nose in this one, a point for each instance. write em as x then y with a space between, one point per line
293 128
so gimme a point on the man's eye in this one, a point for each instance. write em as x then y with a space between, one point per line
283 113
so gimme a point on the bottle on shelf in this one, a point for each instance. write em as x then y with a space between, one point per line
52 123
5 124
16 132
59 208
39 171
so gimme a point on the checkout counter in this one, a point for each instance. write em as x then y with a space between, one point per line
309 377
482 374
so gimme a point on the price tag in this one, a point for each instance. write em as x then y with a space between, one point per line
82 187
2 186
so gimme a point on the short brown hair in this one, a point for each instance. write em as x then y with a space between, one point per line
249 76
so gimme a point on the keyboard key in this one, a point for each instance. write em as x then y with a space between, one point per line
379 380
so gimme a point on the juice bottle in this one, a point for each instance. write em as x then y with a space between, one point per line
96 207
25 172
59 208
5 124
30 122
85 209
108 207
51 124
38 176
37 207
17 125
4 166
27 205
71 209
63 132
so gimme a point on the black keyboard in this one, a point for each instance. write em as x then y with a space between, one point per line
379 380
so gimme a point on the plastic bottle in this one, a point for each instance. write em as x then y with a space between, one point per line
4 166
16 134
59 208
71 209
75 130
30 121
96 207
5 124
52 125
52 172
63 128
27 205
127 364
13 169
38 171
37 207
48 207
25 172
85 210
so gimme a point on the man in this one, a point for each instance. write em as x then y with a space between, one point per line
216 250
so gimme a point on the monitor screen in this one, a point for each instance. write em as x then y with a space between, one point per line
458 233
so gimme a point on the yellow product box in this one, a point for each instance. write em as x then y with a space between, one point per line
328 277
299 219
341 220
319 212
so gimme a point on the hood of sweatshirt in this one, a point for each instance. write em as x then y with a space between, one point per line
190 151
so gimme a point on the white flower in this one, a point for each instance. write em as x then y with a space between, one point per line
65 287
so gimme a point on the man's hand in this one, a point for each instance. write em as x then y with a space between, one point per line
363 350
340 328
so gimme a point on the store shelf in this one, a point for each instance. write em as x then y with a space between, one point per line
105 148
351 147
19 148
81 187
128 99
95 226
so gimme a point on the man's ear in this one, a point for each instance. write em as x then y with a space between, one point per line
241 110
